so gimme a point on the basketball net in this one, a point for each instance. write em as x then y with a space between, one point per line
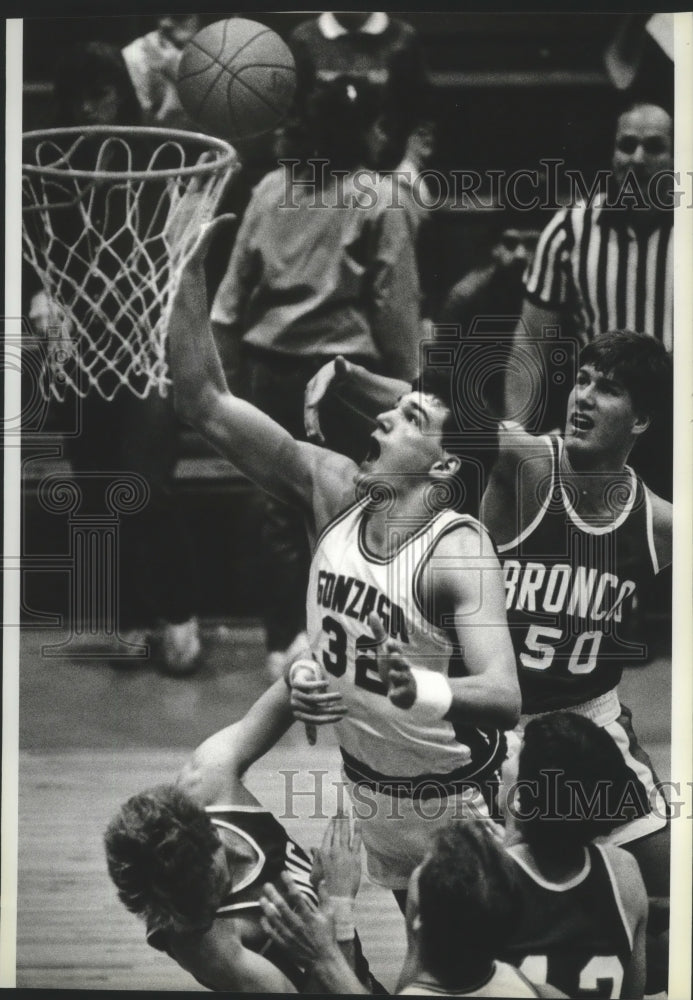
109 218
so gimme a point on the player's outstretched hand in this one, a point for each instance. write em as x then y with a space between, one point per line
306 932
330 375
395 671
338 859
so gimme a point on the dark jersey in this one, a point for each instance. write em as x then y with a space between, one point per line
574 935
571 590
276 852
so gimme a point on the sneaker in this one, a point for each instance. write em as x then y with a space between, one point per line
279 660
180 647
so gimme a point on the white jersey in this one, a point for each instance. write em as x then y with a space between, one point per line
381 745
505 981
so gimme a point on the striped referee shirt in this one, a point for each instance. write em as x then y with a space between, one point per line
591 261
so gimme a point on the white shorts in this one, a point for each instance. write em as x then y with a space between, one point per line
608 713
397 830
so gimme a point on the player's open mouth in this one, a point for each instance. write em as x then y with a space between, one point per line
373 450
581 423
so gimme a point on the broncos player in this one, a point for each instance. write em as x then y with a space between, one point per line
191 857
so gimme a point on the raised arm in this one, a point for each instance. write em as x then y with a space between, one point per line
290 470
228 311
547 292
395 306
623 56
214 772
525 384
518 482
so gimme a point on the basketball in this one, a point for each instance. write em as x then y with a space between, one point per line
236 78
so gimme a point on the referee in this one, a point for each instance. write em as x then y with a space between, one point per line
599 266
608 265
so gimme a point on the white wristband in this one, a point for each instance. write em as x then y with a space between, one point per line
345 928
433 696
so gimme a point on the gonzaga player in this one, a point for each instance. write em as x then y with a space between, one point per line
427 577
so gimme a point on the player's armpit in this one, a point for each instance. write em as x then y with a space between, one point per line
518 483
515 444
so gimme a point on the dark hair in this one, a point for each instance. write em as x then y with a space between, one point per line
475 445
159 852
574 783
640 362
332 124
85 68
468 901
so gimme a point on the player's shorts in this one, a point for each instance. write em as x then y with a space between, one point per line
643 797
397 828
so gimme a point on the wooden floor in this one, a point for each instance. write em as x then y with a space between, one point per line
92 734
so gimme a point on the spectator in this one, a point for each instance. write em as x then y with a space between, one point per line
126 434
92 87
374 45
152 63
307 281
387 52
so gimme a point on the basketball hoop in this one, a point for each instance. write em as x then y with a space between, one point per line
109 218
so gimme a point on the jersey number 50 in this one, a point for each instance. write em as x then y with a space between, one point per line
540 652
